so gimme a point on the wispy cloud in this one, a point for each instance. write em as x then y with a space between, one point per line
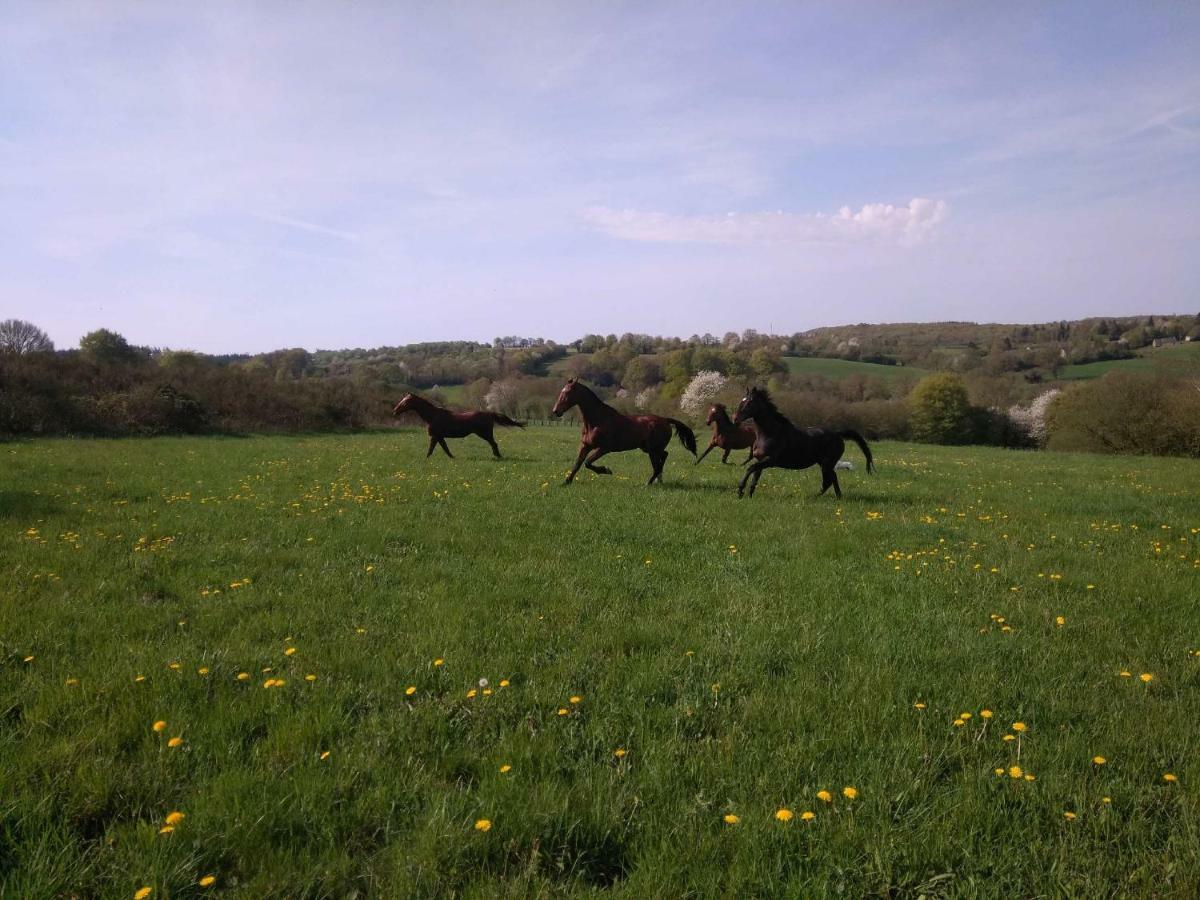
882 222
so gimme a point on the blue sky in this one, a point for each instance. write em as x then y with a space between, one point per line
241 177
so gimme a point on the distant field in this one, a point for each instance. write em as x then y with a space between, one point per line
1147 361
263 660
843 368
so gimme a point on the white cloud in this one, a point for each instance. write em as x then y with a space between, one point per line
875 222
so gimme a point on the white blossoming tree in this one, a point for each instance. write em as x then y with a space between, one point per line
1032 418
701 392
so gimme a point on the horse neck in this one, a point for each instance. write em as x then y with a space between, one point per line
772 421
723 422
423 408
592 408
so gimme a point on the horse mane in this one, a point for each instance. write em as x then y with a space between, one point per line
765 397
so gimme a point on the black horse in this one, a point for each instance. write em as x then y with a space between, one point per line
781 444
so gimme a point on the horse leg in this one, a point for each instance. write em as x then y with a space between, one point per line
829 479
708 450
725 457
490 437
432 446
590 462
442 441
583 451
755 471
658 459
748 458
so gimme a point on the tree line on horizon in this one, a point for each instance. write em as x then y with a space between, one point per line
952 382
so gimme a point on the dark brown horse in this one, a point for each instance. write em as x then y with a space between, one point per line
781 444
607 431
726 435
442 423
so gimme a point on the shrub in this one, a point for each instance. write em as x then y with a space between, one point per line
941 410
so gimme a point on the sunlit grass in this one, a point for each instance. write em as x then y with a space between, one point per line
433 677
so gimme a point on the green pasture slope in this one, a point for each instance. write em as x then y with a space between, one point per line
1147 361
657 660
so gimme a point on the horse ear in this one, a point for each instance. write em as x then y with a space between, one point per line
571 380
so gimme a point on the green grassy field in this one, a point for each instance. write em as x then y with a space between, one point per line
836 369
668 670
1147 361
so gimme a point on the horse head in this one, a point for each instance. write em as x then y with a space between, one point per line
567 398
716 411
751 405
405 404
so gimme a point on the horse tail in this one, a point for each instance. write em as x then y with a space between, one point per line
862 445
501 419
686 436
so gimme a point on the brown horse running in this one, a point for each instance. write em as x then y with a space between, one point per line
726 435
607 431
442 423
781 444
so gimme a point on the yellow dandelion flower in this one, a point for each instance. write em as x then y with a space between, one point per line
207 881
1015 772
175 742
1146 677
825 796
576 699
325 754
471 693
850 793
964 716
998 771
504 682
483 824
243 676
1069 816
731 819
1168 777
1030 777
1126 674
918 705
160 725
1106 799
1060 620
174 818
176 666
410 690
290 651
1010 737
166 829
27 659
808 815
72 682
439 662
139 678
505 769
142 893
563 711
985 713
310 677
1099 760
203 670
487 692
620 752
958 723
1018 726
783 815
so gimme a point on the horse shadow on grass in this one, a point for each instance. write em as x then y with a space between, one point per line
25 505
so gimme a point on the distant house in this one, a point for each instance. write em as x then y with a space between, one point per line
1165 342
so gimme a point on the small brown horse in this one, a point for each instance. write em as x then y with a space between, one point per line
443 423
607 431
726 435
